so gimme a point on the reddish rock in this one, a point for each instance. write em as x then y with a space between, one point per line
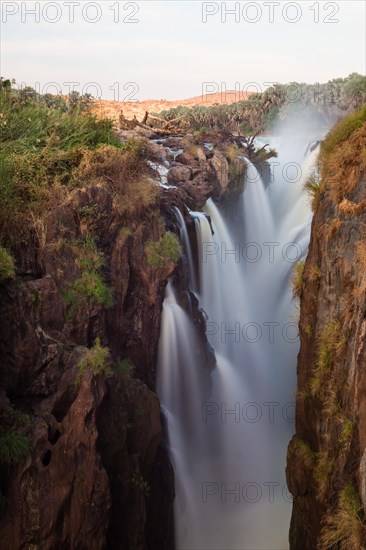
179 174
328 451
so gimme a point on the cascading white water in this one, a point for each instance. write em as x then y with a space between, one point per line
228 446
184 239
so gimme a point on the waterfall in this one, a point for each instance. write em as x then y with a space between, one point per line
184 239
228 446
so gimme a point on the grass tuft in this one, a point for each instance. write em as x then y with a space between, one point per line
96 361
14 447
341 132
322 472
125 172
344 528
298 279
41 146
330 342
313 187
343 160
7 269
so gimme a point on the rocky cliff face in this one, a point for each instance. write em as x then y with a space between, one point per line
327 456
83 463
95 438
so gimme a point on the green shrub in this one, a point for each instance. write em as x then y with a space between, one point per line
7 270
298 279
89 287
165 250
125 367
41 146
14 447
96 361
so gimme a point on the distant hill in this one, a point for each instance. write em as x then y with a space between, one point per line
130 109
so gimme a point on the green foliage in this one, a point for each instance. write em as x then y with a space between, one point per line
33 128
135 148
260 111
41 146
7 270
79 103
341 133
344 528
89 287
354 90
125 367
161 253
14 447
298 279
96 361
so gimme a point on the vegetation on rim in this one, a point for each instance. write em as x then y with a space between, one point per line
343 159
259 112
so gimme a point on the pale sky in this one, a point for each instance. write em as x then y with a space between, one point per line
170 52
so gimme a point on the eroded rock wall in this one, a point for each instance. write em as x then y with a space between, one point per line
326 457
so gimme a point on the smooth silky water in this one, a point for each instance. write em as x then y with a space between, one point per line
228 442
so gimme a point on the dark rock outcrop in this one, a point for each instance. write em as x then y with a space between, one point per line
91 478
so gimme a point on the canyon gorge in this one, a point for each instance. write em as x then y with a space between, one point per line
154 300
